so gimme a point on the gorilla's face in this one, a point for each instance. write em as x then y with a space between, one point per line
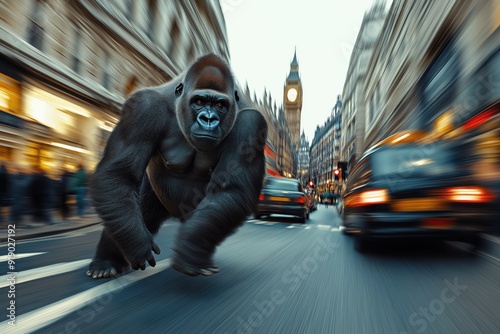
207 108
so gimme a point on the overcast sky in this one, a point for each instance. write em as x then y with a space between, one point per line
263 35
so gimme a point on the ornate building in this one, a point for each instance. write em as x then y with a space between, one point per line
353 94
325 151
303 160
66 67
439 63
292 102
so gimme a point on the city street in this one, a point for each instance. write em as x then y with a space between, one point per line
276 276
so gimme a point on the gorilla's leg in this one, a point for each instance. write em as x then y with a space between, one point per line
210 224
192 258
108 260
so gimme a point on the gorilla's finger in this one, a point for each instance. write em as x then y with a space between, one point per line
152 261
206 272
142 266
156 249
213 269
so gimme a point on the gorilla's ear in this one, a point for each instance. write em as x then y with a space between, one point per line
236 96
178 90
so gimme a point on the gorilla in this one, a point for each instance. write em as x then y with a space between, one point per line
191 149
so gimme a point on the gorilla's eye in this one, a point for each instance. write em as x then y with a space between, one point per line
221 106
198 103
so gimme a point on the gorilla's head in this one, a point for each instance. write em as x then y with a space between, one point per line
206 106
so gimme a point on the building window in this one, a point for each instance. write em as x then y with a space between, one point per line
35 30
174 39
106 76
371 110
77 46
152 11
439 84
129 9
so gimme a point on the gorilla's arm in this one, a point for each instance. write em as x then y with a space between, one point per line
115 183
231 194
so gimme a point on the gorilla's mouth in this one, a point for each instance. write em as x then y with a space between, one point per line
200 133
205 136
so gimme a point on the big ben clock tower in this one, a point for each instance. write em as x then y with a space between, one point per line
292 101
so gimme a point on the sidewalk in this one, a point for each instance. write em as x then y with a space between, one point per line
29 230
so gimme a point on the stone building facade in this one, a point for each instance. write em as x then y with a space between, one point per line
429 63
325 151
353 94
66 67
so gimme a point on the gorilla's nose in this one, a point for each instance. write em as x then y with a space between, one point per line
208 120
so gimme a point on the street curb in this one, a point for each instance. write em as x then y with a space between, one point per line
47 233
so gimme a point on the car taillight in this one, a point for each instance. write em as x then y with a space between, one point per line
301 200
376 196
469 194
369 197
261 197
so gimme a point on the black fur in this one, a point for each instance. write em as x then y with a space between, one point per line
161 161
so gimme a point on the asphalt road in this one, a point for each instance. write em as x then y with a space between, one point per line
277 276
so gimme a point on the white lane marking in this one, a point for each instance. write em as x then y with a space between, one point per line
44 316
43 272
490 256
307 228
259 223
324 227
64 235
290 226
4 258
270 223
335 229
492 238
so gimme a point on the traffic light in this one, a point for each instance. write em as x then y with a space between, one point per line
336 174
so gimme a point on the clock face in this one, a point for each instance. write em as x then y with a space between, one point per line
292 94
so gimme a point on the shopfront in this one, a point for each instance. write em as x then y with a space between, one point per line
11 125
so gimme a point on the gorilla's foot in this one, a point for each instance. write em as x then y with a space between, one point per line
182 265
99 268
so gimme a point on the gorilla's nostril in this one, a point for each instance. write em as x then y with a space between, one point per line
208 121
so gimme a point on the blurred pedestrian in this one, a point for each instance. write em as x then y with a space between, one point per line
19 189
63 192
41 196
5 197
80 184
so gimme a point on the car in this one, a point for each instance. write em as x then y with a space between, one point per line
407 186
284 196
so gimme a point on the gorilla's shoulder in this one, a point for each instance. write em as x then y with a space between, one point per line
152 94
147 100
251 116
250 126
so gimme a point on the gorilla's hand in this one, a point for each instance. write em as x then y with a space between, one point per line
141 253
